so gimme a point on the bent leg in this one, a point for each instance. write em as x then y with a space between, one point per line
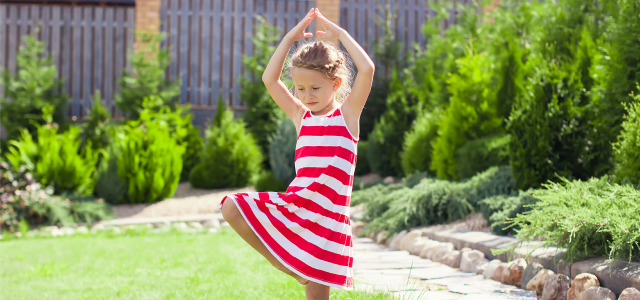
316 291
232 215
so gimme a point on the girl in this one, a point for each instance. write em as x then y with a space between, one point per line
306 231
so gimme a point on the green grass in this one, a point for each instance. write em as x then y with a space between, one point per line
142 265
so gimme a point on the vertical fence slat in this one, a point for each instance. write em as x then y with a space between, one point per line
203 80
108 84
12 42
98 61
216 51
184 37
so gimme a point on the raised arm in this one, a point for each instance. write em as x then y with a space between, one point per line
362 84
271 76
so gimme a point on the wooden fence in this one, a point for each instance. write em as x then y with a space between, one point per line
88 44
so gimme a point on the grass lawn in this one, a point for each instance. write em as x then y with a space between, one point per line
144 265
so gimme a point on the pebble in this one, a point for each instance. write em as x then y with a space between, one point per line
394 241
214 222
512 275
445 248
82 230
381 237
418 244
407 240
581 283
556 287
428 246
630 294
598 293
499 272
480 268
529 272
491 268
452 259
469 260
195 225
536 283
212 230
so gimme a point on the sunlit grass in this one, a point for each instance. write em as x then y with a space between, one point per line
169 265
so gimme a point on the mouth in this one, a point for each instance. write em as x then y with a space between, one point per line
312 103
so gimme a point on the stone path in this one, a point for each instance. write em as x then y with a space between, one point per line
412 277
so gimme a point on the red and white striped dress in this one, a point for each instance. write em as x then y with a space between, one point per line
308 228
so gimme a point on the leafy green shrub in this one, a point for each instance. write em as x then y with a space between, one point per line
498 210
231 156
417 149
150 161
262 113
627 149
109 186
56 158
386 140
147 78
34 86
267 182
480 154
593 217
362 163
23 200
471 114
178 122
97 124
282 151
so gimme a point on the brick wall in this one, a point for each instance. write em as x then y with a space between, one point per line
331 10
147 18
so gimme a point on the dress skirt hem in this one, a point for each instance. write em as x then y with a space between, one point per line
332 285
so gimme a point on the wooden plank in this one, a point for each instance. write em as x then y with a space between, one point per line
99 54
237 54
24 21
184 48
13 38
226 40
56 39
119 45
44 23
65 46
76 55
195 48
172 28
109 66
216 50
3 40
131 25
203 83
88 58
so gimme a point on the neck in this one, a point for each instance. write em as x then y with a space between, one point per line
331 106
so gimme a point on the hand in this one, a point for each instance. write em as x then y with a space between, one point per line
297 33
331 30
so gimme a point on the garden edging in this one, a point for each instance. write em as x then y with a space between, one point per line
621 275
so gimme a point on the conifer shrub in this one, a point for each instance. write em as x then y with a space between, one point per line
362 163
417 148
594 217
97 124
34 86
627 148
149 161
499 209
480 154
282 151
56 159
231 157
109 186
266 181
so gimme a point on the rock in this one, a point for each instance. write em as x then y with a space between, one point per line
629 294
480 269
381 237
465 249
357 227
195 225
390 239
394 242
406 241
212 230
82 230
428 246
513 272
68 230
417 245
452 259
51 228
387 180
556 287
468 261
225 224
180 225
598 293
115 229
531 270
213 222
581 283
491 268
536 283
444 249
499 272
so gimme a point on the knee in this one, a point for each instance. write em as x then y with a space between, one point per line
229 211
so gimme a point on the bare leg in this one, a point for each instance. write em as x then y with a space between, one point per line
316 291
232 215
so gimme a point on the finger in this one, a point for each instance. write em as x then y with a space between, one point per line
308 34
321 33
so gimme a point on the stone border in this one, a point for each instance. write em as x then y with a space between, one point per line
615 275
168 219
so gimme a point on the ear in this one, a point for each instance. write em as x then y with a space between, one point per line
337 83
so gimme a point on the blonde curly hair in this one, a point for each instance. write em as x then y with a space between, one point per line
325 58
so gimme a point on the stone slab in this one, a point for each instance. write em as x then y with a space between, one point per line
615 275
169 219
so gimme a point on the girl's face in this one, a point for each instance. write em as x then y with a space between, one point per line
314 89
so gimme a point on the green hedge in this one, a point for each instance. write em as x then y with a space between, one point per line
627 149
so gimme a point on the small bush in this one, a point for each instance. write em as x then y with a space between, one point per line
231 157
498 210
109 186
627 149
362 163
56 158
594 217
267 182
34 86
97 124
282 151
417 149
480 154
150 161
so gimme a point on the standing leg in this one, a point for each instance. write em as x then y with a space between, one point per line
316 291
232 215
